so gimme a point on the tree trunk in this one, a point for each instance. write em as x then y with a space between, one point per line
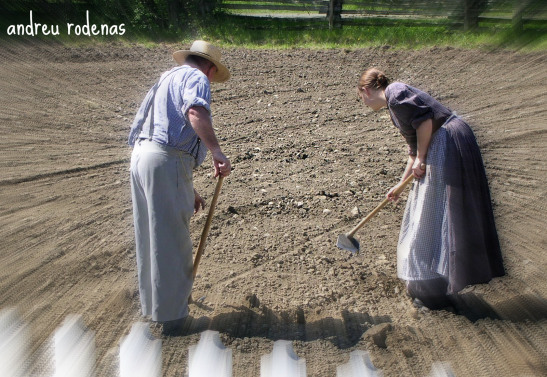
472 9
520 8
173 13
334 13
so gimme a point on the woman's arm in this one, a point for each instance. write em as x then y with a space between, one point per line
423 133
408 171
416 164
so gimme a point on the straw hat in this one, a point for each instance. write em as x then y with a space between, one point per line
209 52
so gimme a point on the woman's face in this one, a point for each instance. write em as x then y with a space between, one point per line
371 98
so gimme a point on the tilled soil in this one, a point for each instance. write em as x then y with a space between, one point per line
309 162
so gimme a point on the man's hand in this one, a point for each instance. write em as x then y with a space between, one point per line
198 202
222 164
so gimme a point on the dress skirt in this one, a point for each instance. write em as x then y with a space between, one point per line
448 230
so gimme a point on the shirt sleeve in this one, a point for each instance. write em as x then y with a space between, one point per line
196 92
136 126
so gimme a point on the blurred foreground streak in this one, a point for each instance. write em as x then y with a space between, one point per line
71 352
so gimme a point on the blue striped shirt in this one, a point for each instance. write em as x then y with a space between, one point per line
179 89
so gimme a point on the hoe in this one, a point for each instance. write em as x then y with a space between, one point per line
347 242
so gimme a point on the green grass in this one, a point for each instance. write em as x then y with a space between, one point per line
282 33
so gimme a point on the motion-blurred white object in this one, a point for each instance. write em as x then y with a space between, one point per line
209 357
140 354
282 362
359 365
74 349
13 344
439 369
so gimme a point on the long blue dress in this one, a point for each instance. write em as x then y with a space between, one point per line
448 230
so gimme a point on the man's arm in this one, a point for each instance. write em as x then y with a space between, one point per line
201 123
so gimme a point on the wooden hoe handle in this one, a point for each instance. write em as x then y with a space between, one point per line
380 206
201 246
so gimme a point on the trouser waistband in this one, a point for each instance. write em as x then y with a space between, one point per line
154 145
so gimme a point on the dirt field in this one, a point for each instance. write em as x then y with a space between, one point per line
306 154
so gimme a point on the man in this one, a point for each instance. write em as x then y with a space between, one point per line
171 134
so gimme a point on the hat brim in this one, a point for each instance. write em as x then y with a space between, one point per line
222 74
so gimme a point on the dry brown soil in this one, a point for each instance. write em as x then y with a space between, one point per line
305 153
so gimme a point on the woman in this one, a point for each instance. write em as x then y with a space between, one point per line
448 238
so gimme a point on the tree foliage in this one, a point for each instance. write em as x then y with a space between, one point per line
144 15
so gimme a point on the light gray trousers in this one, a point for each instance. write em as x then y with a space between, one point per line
163 202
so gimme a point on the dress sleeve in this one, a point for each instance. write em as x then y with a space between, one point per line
410 110
196 92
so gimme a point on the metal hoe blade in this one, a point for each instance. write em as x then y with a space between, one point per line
348 243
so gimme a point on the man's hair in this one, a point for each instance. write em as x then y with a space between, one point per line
199 61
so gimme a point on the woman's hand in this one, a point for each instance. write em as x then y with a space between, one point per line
391 196
418 168
198 202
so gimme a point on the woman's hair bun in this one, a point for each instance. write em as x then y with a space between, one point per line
381 80
373 78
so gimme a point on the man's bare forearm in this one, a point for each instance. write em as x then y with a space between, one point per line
203 126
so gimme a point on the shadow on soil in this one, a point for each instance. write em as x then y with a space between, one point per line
245 322
259 321
524 307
